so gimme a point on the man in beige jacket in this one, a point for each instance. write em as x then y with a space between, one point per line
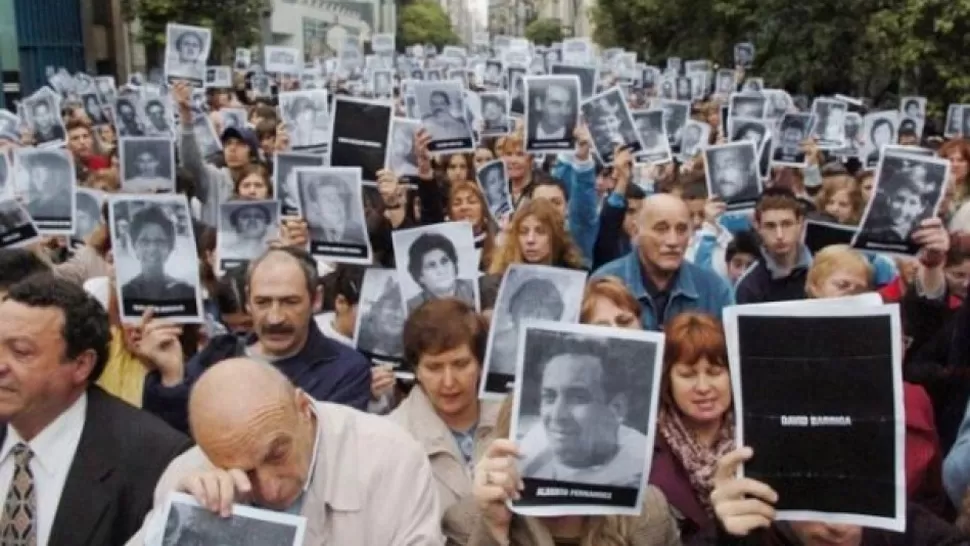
358 479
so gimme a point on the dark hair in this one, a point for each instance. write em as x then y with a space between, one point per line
73 124
441 325
86 326
744 242
695 187
778 198
86 203
234 215
634 191
231 291
347 282
614 379
151 215
17 264
425 243
878 123
536 292
306 262
184 35
441 94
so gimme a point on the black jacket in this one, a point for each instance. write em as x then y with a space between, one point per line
757 285
110 485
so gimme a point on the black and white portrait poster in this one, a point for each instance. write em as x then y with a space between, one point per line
879 130
756 131
495 113
913 108
694 138
583 391
92 107
87 212
954 121
493 179
442 110
676 115
281 60
147 164
45 180
908 189
802 403
157 118
610 124
232 118
551 113
284 178
401 159
829 123
245 231
186 53
16 226
308 116
382 83
331 202
725 82
656 146
129 121
205 135
793 131
185 522
437 261
243 58
218 77
747 105
577 51
493 73
587 77
380 319
361 130
42 113
155 258
732 173
528 292
744 54
854 136
753 85
516 87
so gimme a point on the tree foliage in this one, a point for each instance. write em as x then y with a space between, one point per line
424 22
544 31
879 49
234 23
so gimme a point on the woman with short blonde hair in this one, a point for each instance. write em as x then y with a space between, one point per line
838 270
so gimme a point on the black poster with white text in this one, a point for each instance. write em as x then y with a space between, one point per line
361 130
820 405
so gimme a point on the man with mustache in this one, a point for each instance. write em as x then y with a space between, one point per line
281 294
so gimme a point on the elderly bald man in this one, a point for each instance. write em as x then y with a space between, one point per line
656 272
358 479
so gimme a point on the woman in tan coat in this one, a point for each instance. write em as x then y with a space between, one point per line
483 519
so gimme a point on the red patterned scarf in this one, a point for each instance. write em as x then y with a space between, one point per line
699 461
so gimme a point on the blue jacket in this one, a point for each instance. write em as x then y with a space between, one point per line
695 289
579 177
325 369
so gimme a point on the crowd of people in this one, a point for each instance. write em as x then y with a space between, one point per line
269 402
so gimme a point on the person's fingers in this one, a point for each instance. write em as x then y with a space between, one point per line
932 222
210 491
146 317
727 467
742 525
241 481
745 487
745 507
488 494
502 447
227 494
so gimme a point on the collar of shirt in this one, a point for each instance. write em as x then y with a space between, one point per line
316 444
56 444
804 262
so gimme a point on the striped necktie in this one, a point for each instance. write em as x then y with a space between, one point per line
18 525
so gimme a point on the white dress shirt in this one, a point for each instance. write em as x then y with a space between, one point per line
54 450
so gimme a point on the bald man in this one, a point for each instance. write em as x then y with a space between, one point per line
655 271
358 479
281 295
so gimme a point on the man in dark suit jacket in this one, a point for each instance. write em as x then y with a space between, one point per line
54 345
